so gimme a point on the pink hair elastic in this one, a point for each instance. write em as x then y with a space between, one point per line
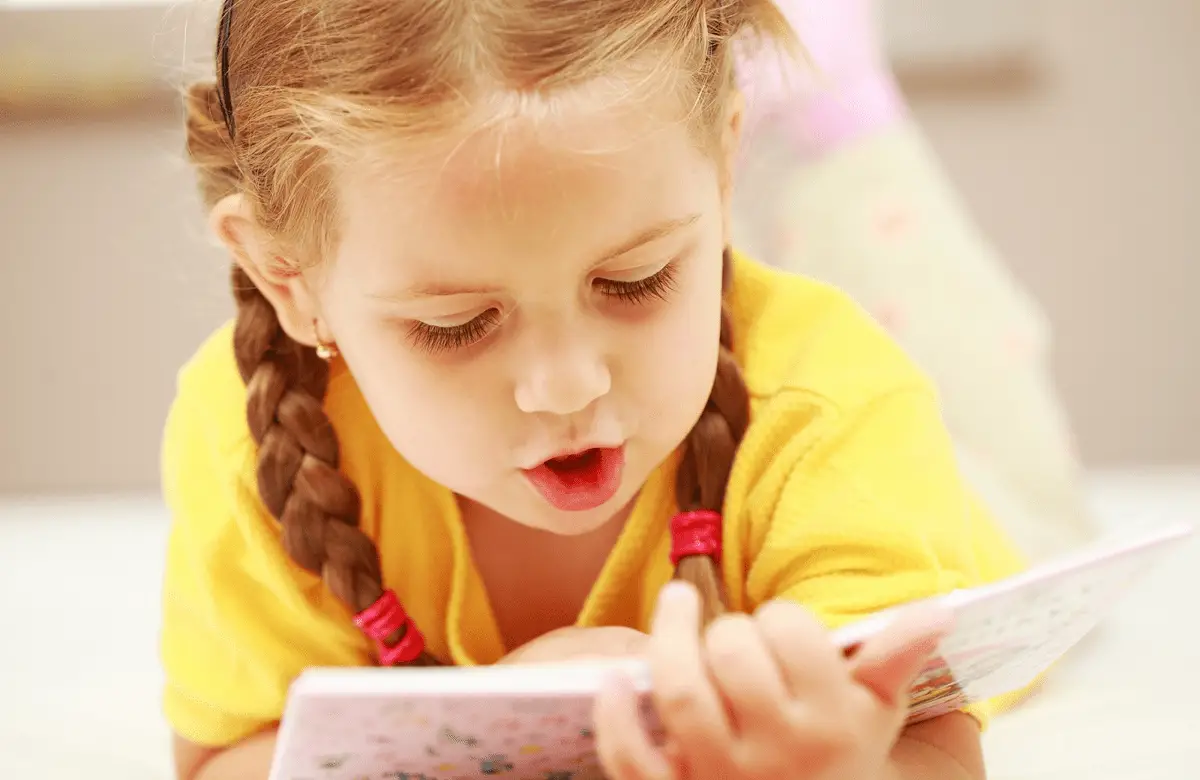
384 618
697 532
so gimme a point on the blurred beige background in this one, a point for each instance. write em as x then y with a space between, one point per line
1083 168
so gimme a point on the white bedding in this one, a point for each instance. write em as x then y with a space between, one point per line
79 674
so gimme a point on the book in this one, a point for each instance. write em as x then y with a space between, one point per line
535 721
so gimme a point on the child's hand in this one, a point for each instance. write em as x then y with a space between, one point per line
580 644
768 696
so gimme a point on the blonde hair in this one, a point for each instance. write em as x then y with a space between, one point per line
300 83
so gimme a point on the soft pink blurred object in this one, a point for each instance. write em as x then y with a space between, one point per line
846 90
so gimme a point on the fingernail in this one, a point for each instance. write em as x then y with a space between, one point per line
676 594
675 599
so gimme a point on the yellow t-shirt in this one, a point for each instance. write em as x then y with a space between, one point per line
845 496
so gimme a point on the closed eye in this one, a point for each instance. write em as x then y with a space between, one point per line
436 339
658 286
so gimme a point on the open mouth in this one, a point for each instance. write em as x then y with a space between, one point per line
581 481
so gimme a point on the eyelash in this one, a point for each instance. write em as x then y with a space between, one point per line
436 340
656 287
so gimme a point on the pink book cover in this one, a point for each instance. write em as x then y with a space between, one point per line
534 722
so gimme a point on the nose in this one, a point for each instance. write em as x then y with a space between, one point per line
562 377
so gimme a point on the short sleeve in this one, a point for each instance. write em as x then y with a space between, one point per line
239 621
875 514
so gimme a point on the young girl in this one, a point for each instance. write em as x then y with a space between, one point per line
498 389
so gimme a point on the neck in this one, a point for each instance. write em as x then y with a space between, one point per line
536 580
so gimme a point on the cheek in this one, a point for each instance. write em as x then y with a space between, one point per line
677 358
437 420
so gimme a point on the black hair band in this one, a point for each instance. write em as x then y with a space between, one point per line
222 58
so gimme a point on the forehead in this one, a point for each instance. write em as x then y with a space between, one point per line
566 180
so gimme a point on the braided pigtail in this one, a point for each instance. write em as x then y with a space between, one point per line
298 478
709 450
318 508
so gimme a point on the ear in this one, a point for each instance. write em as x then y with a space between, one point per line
281 282
731 138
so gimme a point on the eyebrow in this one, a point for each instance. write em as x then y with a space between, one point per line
653 233
437 289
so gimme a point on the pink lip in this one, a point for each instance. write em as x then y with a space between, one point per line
580 487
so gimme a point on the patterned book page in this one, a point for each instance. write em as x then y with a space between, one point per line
535 722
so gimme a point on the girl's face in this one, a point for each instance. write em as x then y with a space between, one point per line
532 290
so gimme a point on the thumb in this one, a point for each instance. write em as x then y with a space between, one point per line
888 663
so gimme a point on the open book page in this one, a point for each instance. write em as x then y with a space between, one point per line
1008 634
536 721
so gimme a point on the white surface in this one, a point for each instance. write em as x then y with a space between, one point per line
1123 705
79 676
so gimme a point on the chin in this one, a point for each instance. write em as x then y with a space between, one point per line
578 523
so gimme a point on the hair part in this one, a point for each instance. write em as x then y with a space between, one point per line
303 85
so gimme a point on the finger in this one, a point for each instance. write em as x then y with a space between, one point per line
688 705
747 675
888 663
622 743
809 663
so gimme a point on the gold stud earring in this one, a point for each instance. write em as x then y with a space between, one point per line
325 350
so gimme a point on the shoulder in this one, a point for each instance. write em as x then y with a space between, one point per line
846 494
210 395
795 335
207 458
815 365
